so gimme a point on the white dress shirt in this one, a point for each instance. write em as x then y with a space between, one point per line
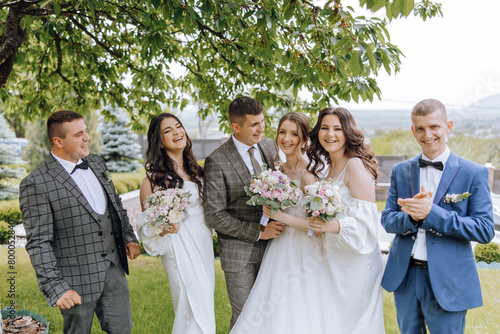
88 183
429 179
243 151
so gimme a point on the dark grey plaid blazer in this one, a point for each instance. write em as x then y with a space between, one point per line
65 239
236 223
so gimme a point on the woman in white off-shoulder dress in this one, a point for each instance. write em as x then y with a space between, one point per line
350 241
292 292
186 251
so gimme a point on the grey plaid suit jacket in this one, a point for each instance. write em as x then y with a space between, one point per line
65 238
236 223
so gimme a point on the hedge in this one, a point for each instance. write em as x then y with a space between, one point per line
487 252
5 232
10 211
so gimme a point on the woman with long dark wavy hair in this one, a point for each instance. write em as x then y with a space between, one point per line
350 240
186 250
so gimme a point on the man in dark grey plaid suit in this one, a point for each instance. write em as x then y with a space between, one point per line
78 232
242 240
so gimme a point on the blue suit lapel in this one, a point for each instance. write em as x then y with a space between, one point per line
414 174
450 170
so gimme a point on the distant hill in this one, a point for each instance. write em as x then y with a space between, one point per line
483 113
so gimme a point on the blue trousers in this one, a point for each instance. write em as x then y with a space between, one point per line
416 307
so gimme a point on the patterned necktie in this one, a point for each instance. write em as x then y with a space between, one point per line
256 167
426 163
83 165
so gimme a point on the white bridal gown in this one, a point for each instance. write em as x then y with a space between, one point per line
188 260
355 263
293 289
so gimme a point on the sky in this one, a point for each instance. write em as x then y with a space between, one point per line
454 58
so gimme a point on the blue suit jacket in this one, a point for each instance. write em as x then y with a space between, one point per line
449 229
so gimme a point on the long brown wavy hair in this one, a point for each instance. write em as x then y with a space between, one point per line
160 168
354 144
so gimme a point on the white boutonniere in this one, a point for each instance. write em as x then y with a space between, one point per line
107 175
454 198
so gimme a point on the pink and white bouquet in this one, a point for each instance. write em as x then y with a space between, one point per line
273 188
323 200
164 208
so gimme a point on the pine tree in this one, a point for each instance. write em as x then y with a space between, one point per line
120 148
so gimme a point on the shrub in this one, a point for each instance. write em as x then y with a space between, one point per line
5 232
216 245
121 188
132 184
10 211
487 252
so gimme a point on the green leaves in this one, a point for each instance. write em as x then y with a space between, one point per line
147 55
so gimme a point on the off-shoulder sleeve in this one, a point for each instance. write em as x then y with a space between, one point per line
358 229
151 240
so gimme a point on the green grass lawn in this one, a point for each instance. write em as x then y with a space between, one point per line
152 310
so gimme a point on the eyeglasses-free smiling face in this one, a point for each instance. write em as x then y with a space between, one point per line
250 131
289 137
75 144
330 135
173 135
431 131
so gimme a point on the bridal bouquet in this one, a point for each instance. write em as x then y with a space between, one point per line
273 188
323 200
164 208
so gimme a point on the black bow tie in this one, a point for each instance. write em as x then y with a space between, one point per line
83 165
426 163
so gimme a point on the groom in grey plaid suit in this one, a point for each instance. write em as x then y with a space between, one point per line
242 240
78 232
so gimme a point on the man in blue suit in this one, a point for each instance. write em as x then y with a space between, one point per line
431 267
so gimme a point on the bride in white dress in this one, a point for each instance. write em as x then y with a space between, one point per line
186 251
350 241
293 287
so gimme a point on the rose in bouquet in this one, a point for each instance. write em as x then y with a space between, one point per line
273 188
164 208
323 200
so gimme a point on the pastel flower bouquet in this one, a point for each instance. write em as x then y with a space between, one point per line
273 188
164 208
323 200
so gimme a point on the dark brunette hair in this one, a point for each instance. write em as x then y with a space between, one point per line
242 106
55 123
354 143
160 168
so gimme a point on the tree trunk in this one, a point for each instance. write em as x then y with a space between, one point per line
10 40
